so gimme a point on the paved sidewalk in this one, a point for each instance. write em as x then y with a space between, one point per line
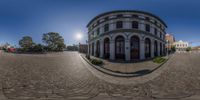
122 67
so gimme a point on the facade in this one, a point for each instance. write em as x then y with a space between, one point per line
170 41
83 48
126 35
181 46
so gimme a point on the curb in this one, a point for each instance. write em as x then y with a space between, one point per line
118 74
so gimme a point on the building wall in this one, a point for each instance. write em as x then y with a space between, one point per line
150 31
170 39
181 45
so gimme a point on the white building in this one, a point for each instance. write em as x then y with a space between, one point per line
181 46
126 35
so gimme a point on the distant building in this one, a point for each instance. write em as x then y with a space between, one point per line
83 48
197 48
181 46
171 39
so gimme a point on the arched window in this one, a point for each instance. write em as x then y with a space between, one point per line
106 48
135 24
135 47
120 47
119 24
147 48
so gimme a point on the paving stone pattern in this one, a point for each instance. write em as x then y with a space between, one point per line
65 76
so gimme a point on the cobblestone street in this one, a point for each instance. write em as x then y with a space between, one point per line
66 76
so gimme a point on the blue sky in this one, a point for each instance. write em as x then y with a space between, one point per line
20 18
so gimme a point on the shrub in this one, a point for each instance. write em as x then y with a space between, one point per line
96 61
159 60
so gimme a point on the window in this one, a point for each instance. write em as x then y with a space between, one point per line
147 18
106 28
155 31
98 31
119 16
119 24
106 18
147 28
135 24
160 35
135 16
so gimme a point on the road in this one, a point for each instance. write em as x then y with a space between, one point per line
66 76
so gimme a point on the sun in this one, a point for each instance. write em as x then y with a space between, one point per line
79 36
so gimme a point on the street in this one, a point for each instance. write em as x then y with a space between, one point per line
66 76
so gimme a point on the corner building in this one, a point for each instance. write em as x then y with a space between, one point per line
126 35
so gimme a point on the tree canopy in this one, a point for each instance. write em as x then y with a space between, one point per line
54 41
26 42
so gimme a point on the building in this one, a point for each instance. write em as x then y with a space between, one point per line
170 41
181 46
83 48
126 35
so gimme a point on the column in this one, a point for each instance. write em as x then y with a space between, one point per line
127 50
101 48
112 50
142 50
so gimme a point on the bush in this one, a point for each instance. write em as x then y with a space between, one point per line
96 61
159 60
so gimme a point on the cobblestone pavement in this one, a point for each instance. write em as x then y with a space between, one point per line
65 76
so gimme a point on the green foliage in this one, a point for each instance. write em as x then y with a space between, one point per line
72 48
96 61
173 48
159 60
188 49
38 48
26 43
54 41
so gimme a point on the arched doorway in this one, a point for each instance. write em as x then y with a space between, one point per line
135 47
106 48
155 48
161 49
93 49
98 49
147 48
120 47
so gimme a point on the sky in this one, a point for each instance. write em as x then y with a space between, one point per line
20 18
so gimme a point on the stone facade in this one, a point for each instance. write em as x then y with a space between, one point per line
126 35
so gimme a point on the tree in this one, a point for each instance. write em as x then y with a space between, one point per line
188 49
173 48
54 41
26 43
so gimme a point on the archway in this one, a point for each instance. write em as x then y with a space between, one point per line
98 49
120 47
155 48
161 49
147 48
106 48
135 47
93 49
